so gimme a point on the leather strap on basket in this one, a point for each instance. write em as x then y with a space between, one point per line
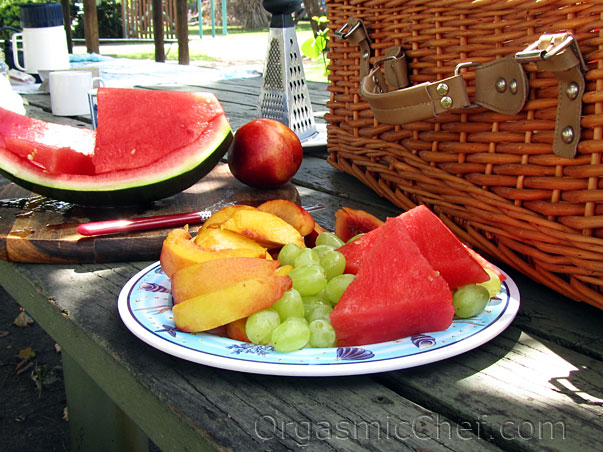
355 32
500 85
559 54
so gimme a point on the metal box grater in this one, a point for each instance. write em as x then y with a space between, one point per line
284 94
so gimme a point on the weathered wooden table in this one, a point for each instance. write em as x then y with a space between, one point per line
537 386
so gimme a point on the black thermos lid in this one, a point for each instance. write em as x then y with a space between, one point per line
41 15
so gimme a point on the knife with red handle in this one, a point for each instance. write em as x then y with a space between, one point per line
143 223
156 222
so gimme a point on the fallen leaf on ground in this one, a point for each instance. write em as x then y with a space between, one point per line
26 353
23 320
4 333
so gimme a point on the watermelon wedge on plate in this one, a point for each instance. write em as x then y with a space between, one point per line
396 293
150 144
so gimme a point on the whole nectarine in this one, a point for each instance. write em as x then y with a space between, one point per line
265 153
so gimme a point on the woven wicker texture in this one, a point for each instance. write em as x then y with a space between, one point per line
492 178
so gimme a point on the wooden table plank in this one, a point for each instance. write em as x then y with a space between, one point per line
537 386
198 404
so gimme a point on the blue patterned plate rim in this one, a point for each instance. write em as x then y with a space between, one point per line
145 302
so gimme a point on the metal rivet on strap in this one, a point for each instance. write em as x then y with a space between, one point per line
567 134
513 86
572 90
446 102
442 89
365 54
501 85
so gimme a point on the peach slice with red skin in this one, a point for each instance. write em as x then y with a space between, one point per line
265 228
217 239
179 251
220 216
209 276
231 303
351 222
310 239
236 330
295 215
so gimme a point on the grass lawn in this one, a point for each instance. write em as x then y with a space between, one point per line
216 49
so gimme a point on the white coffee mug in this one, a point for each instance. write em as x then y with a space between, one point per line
93 102
69 92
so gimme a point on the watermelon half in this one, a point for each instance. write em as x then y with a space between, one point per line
150 144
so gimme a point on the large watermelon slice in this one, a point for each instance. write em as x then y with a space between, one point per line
395 294
441 248
150 144
356 250
455 262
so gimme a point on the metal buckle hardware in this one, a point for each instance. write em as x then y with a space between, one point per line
342 34
557 44
463 65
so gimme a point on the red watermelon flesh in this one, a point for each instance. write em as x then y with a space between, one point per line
395 294
356 250
148 132
441 248
44 144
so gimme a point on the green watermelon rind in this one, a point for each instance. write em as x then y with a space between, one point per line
184 167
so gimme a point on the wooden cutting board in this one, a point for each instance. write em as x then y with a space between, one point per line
36 229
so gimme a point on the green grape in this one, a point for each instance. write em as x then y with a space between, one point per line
310 303
322 249
493 284
308 280
307 256
259 326
322 334
293 334
334 263
470 300
337 285
328 238
357 236
289 305
288 253
320 311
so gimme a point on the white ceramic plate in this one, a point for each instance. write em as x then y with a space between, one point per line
145 307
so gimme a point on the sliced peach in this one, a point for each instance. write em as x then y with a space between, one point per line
223 214
284 270
351 222
310 239
295 215
198 279
179 251
265 228
236 330
229 304
217 239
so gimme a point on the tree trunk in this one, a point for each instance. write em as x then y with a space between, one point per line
314 9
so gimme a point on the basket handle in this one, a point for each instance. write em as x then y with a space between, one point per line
431 99
500 85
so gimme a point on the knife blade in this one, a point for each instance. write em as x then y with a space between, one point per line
153 222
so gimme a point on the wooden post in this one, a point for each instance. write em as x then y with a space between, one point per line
158 32
182 31
91 26
67 20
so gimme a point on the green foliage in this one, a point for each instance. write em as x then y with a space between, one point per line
109 17
315 47
109 20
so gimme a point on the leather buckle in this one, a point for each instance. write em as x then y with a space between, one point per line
548 46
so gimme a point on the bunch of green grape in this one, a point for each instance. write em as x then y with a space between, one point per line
300 318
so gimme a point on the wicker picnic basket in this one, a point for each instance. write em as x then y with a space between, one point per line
493 177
